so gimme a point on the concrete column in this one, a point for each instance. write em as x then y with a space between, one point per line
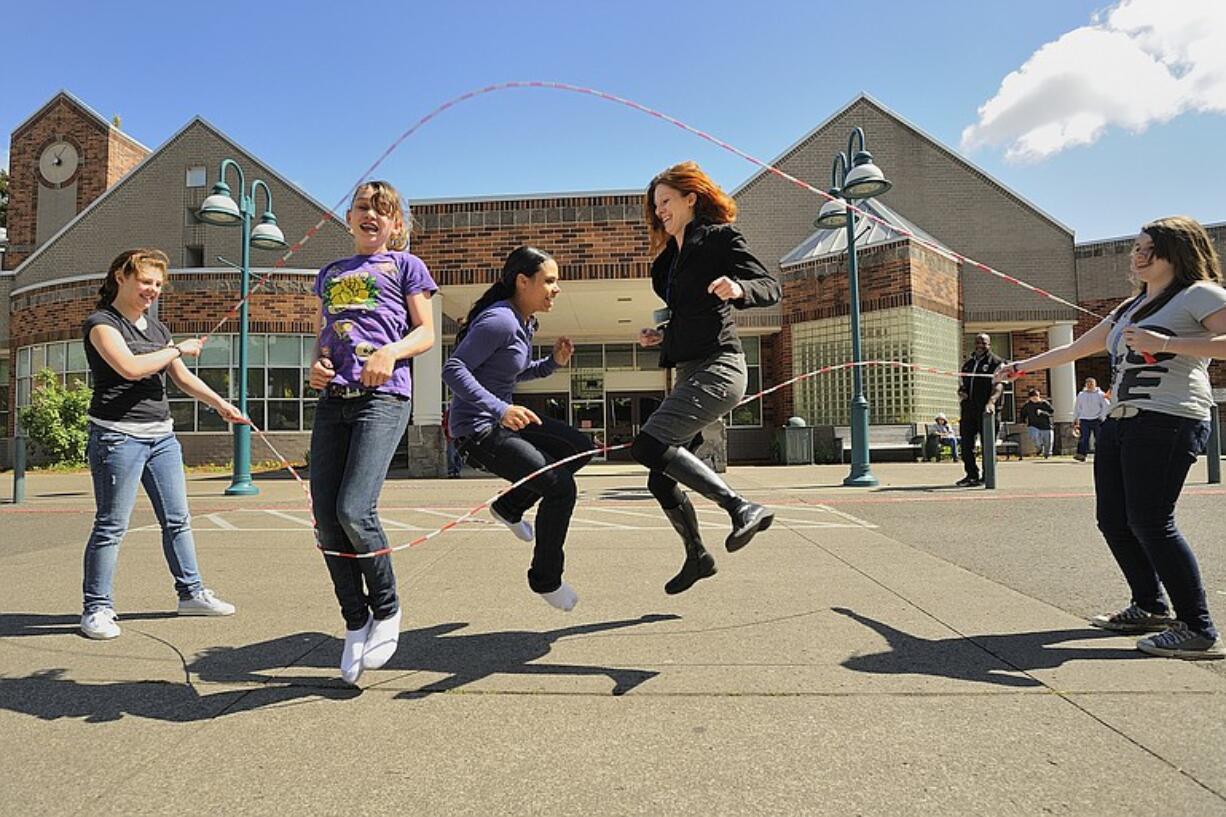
428 374
1063 378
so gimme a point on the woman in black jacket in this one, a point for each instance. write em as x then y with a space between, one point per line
702 271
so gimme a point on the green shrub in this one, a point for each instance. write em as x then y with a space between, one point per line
56 418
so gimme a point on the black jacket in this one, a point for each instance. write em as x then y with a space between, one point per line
701 324
1037 415
979 389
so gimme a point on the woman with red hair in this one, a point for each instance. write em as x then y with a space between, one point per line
703 269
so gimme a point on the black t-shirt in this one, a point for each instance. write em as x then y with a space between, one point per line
115 397
1037 415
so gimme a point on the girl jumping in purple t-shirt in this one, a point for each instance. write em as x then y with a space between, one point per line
375 316
493 353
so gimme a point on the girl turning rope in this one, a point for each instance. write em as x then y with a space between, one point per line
1156 428
704 269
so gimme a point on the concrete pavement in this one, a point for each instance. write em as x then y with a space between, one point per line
914 649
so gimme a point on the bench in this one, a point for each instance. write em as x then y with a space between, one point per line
891 439
1009 439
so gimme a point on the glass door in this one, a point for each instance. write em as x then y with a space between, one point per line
627 411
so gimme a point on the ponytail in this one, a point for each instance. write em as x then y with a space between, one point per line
523 260
126 263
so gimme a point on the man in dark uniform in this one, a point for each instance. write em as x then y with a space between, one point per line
978 395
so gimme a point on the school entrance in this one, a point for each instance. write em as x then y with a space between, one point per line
626 412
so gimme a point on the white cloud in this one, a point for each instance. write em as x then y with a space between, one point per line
1139 63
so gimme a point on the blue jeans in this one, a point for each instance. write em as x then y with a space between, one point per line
1042 439
352 443
514 455
454 464
118 463
1087 428
1139 469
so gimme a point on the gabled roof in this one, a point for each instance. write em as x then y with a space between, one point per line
152 157
833 241
863 97
85 109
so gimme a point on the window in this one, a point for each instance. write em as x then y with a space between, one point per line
278 395
895 395
193 256
619 356
65 358
749 415
4 396
197 176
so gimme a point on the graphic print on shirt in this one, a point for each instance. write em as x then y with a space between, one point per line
358 290
1140 377
344 332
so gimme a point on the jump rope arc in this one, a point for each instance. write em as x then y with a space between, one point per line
233 312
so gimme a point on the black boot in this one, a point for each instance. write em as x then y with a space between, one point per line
747 517
699 564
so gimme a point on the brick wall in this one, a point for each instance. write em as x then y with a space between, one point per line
1026 344
942 194
192 304
153 207
591 237
123 154
891 275
217 448
105 155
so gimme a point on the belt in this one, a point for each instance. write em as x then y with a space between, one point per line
346 392
1123 411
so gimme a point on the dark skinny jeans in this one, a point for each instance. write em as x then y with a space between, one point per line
1140 464
513 455
352 443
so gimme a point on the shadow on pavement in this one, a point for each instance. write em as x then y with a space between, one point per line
14 625
463 659
987 658
925 488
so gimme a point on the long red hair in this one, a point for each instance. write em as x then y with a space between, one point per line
713 204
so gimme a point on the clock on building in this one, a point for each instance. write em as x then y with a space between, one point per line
59 162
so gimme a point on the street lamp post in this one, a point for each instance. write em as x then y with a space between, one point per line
220 209
859 179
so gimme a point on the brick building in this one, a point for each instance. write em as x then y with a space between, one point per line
918 304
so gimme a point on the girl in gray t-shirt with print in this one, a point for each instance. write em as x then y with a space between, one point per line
1160 343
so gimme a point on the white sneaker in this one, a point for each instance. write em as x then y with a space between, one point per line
204 603
100 624
351 654
522 529
382 641
564 598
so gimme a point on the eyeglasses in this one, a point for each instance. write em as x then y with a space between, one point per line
1142 252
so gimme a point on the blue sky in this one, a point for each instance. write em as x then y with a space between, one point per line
320 90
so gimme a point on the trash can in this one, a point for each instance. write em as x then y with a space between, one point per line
795 445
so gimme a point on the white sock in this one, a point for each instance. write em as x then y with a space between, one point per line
381 644
351 653
564 598
522 529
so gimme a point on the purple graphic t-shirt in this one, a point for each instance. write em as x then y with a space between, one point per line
364 309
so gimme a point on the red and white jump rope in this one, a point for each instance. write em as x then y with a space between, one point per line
562 86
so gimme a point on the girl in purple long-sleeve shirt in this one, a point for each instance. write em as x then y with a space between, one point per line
494 352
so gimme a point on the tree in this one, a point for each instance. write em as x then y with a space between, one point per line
4 198
56 418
